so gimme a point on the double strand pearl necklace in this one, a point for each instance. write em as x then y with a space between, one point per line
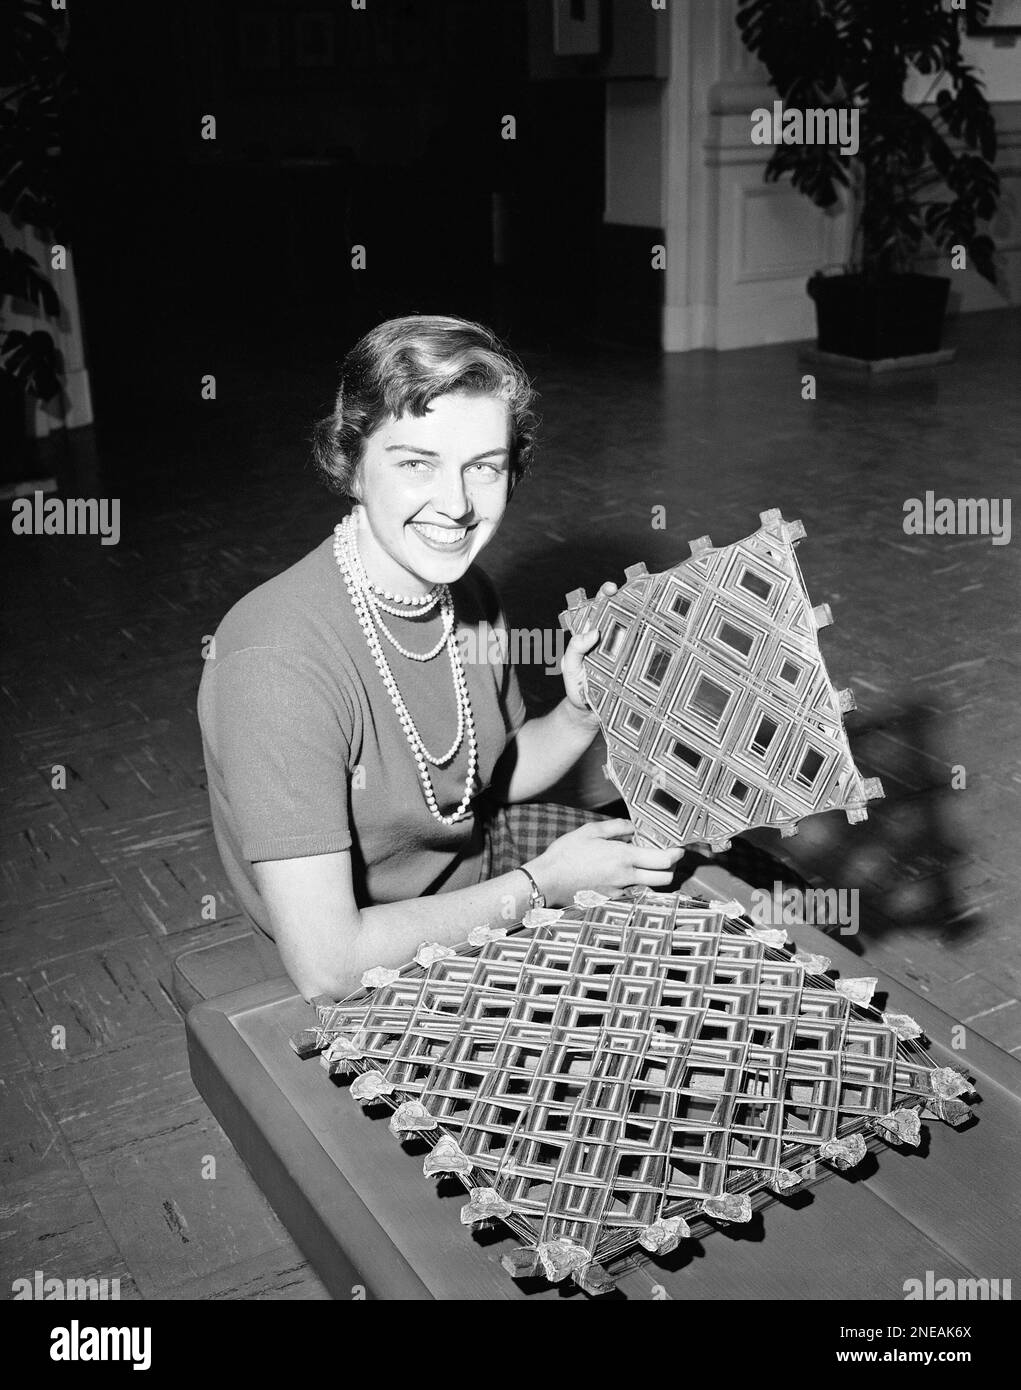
413 607
368 602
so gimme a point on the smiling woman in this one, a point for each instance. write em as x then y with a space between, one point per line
433 490
366 792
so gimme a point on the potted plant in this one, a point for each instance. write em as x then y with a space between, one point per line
922 174
34 91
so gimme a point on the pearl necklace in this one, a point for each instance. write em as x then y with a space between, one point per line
367 603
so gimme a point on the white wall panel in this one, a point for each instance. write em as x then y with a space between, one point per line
741 250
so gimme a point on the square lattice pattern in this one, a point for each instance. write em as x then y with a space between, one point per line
612 1072
712 694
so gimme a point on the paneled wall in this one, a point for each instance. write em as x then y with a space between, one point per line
739 250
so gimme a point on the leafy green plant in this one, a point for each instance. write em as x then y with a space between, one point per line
916 175
35 90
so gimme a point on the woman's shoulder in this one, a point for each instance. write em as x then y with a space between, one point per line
285 611
284 646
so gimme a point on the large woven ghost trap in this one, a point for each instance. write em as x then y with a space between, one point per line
628 1073
712 694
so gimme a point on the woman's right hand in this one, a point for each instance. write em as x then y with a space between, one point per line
600 855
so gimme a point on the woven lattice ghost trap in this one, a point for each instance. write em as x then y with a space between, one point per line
712 694
628 1073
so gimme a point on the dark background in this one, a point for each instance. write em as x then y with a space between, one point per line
185 246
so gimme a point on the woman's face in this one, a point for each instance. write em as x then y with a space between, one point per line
433 490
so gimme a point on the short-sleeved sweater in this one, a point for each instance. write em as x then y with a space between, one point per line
304 751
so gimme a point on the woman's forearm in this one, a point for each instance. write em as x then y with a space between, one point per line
545 750
327 942
327 950
389 934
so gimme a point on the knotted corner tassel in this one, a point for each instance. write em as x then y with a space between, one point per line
844 1153
485 1204
730 1207
410 1118
369 1086
664 1235
901 1126
379 976
340 1056
446 1156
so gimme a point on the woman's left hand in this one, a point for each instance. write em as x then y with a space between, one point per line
580 645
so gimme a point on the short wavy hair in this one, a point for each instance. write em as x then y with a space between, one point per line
403 365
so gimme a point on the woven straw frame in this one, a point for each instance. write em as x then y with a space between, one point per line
622 1063
713 696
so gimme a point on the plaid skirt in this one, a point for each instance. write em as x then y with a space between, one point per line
516 834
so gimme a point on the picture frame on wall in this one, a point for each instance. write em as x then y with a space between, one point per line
1003 18
577 28
314 43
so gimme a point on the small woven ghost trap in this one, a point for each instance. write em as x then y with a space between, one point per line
626 1074
713 697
